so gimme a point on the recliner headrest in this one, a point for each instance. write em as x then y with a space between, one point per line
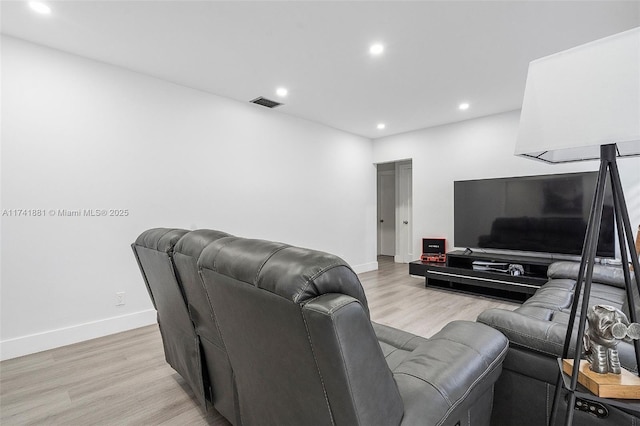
195 241
160 239
295 273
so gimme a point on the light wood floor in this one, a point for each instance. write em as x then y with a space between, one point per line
123 379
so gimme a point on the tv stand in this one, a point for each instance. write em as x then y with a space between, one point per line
458 274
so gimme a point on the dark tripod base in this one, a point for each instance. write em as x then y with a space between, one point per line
608 168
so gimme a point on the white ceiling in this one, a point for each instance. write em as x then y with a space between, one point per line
437 54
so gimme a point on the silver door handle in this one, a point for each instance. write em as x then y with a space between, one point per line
406 222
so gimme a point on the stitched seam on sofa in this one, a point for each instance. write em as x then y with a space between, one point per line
217 345
298 295
206 293
344 303
491 367
174 272
405 344
463 344
239 412
410 340
516 332
440 391
547 410
255 279
548 331
214 267
307 302
315 361
611 299
212 311
312 278
200 377
523 345
159 238
330 311
391 353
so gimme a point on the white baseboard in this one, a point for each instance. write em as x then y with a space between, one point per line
365 267
32 343
399 259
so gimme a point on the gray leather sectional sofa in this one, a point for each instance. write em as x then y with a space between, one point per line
281 335
536 332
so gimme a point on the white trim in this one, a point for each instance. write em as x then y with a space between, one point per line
32 343
365 267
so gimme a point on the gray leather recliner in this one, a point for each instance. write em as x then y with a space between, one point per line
303 350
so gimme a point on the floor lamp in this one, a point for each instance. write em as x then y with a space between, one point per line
584 104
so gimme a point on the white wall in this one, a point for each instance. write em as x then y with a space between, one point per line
78 134
475 149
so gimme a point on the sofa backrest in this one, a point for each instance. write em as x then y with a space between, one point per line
218 373
153 250
603 274
296 327
612 275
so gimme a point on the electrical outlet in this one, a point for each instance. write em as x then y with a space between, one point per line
120 298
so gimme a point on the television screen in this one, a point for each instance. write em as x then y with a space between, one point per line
545 214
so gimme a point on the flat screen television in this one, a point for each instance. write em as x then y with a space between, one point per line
543 214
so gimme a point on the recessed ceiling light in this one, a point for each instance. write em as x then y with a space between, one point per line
463 106
381 126
282 92
376 49
42 8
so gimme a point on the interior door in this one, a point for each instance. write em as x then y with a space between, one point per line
386 213
404 219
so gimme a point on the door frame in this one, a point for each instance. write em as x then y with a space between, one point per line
403 172
404 211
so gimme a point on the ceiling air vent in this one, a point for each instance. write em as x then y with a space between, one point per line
266 102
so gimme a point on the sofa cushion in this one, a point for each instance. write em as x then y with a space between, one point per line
554 295
396 344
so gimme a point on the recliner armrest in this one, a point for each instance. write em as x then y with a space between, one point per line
439 374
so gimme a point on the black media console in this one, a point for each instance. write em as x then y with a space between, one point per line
458 274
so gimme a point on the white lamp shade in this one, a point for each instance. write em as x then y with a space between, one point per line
584 97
